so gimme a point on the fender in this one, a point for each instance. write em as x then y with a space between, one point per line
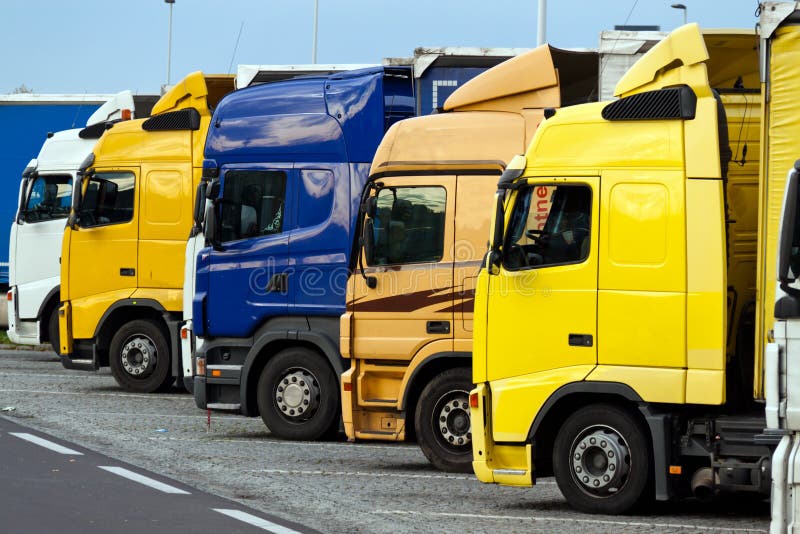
55 291
424 365
266 337
133 303
658 424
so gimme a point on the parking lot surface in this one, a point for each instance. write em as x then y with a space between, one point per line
331 486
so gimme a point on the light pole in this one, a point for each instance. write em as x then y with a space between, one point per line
169 40
681 7
541 30
314 46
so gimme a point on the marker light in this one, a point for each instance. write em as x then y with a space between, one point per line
126 114
201 367
348 386
473 400
10 295
216 373
184 333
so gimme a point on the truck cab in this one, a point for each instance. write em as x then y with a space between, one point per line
286 163
407 331
604 317
44 204
123 248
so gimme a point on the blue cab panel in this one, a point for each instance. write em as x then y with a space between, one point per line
25 128
293 157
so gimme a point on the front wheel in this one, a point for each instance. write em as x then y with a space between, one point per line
442 421
298 395
602 460
139 357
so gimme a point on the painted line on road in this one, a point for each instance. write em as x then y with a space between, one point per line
141 479
57 375
90 394
554 519
55 447
142 414
294 472
256 521
255 440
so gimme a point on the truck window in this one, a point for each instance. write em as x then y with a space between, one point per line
316 197
49 198
550 225
409 225
254 204
108 199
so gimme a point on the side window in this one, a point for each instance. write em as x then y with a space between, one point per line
549 225
108 199
254 204
49 198
316 197
409 225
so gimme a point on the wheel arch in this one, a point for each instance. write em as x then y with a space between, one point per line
423 374
124 311
49 303
269 344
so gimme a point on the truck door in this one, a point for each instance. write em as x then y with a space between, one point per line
104 242
46 204
411 304
250 280
542 312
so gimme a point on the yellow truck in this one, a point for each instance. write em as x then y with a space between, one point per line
123 248
407 330
614 325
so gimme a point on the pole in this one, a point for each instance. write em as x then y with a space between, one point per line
169 43
314 47
541 33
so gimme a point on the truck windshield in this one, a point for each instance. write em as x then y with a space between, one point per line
550 225
108 199
48 198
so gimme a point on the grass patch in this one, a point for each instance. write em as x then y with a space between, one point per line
4 338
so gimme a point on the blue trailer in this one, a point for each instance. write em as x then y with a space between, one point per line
287 162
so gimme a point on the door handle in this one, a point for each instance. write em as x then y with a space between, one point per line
126 271
438 327
279 283
580 340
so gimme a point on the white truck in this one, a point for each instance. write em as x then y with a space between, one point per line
45 196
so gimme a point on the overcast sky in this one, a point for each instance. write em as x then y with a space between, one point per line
94 46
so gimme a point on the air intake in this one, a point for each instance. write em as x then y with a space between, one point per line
674 103
184 119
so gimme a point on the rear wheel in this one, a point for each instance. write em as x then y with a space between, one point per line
298 395
53 330
139 357
602 461
442 421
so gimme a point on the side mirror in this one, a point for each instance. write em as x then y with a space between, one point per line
495 257
368 240
789 228
211 227
200 203
212 190
371 207
77 192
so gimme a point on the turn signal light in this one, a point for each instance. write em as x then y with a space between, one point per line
347 386
184 333
675 470
126 114
473 400
216 372
201 367
9 296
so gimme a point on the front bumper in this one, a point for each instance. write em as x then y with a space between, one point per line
505 464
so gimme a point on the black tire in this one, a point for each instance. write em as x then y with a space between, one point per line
139 357
602 460
53 330
442 422
312 409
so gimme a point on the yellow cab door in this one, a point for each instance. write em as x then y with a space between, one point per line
542 306
409 259
102 247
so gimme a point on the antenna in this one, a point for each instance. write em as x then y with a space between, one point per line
235 47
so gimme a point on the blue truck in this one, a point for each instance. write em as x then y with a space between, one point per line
285 166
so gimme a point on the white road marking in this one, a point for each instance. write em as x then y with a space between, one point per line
540 518
141 479
142 414
293 472
59 376
45 443
257 440
90 394
256 521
